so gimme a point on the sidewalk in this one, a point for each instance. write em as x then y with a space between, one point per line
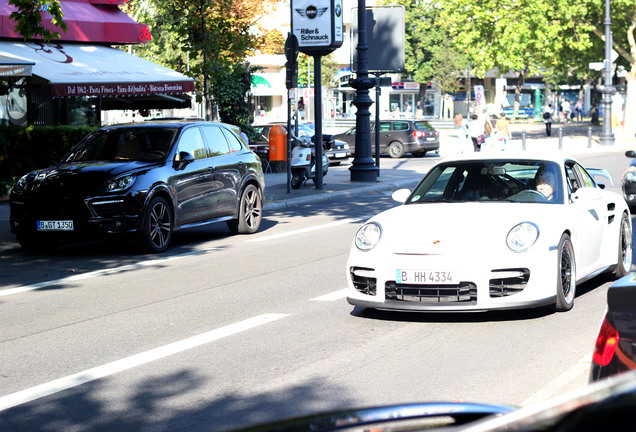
337 183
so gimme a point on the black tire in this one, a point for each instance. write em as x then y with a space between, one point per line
624 260
396 149
250 212
566 275
298 178
156 230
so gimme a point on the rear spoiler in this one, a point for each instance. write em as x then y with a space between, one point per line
594 172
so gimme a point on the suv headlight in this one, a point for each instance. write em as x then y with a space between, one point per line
368 236
120 184
522 236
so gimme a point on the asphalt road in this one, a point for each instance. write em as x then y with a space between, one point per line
226 331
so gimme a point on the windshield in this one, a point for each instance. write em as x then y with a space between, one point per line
124 144
526 181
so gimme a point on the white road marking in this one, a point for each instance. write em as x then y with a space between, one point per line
305 230
334 296
559 383
103 272
52 387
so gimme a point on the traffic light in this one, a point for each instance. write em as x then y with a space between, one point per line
291 74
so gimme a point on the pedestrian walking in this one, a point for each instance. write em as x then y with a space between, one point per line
578 110
547 119
566 109
502 131
461 125
477 132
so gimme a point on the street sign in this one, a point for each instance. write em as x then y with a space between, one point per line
318 25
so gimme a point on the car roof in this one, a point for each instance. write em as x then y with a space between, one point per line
547 155
179 123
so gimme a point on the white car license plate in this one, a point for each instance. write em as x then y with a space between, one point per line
341 155
57 225
430 139
424 277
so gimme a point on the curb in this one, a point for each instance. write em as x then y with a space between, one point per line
333 195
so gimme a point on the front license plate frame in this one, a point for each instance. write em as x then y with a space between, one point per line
55 225
424 277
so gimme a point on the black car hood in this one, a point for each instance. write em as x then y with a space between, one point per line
79 178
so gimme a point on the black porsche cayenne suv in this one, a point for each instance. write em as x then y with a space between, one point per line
142 181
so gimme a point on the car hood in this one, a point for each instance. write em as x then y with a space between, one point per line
79 177
434 228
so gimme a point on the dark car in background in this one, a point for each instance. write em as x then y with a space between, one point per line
336 150
398 137
629 180
615 348
141 181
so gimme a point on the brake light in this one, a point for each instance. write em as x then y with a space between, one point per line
606 344
419 134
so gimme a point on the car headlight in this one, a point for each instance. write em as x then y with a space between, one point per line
345 146
522 236
120 184
368 236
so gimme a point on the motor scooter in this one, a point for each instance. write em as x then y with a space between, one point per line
303 161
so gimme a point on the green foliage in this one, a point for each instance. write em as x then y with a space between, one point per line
328 70
430 54
24 149
230 90
28 18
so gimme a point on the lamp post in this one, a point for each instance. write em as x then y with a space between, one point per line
363 167
607 137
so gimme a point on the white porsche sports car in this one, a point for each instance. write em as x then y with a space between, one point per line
483 232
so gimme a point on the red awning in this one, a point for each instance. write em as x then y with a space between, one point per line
96 21
94 70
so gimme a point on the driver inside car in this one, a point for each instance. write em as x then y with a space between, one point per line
546 185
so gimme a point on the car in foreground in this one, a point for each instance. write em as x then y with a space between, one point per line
603 406
482 232
615 347
141 181
398 137
629 180
337 151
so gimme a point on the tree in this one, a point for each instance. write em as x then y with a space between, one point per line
203 39
430 54
524 36
28 18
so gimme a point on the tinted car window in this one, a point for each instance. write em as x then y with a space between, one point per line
216 141
232 141
124 144
192 142
386 126
421 125
400 125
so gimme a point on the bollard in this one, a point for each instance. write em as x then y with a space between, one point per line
523 140
589 137
560 139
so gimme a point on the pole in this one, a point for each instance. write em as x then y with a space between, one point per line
362 167
607 137
318 120
378 90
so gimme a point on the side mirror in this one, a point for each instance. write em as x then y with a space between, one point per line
182 160
630 154
401 195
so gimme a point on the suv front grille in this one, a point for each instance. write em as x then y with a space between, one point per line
465 292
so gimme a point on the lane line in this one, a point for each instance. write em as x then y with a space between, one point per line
103 272
582 367
306 230
334 296
65 383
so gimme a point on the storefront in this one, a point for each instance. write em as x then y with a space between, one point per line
75 79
